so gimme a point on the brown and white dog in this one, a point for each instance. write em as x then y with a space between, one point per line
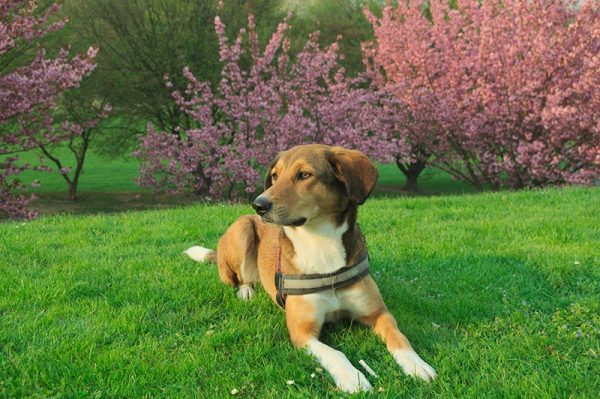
307 225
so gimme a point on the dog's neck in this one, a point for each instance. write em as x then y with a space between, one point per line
318 246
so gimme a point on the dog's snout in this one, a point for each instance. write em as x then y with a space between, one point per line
262 205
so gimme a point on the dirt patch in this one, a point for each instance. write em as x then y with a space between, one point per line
90 202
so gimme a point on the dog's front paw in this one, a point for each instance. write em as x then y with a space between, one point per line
352 381
413 365
245 292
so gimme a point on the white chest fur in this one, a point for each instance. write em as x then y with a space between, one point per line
319 248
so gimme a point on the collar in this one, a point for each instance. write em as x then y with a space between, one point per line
302 284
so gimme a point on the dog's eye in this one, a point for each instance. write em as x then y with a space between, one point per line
274 176
303 175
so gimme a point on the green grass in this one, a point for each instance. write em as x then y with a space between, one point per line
99 174
431 182
117 175
108 185
500 292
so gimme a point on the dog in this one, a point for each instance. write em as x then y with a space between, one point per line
302 244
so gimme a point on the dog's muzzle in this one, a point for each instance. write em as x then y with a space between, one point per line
262 205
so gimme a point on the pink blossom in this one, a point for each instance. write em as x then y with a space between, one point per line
27 94
499 93
258 111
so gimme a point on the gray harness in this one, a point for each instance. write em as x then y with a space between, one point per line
302 284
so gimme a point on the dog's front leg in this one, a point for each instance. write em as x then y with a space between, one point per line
365 304
304 324
386 327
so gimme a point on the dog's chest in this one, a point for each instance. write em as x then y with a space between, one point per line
319 250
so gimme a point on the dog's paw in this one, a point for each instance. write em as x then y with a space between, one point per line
245 292
346 376
413 365
352 381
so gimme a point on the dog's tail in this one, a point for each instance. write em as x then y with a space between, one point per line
201 254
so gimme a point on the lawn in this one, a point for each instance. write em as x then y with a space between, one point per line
108 185
99 173
500 292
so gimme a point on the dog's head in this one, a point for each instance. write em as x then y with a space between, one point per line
314 181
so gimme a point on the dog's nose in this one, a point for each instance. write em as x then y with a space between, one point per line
262 205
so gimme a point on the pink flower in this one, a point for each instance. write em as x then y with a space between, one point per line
258 111
27 94
503 93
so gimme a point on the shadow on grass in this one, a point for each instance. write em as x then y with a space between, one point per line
108 195
93 202
463 289
428 296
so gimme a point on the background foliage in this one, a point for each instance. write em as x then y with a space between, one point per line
470 88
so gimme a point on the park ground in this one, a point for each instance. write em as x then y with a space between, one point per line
499 291
108 185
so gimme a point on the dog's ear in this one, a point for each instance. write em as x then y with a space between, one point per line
268 179
356 171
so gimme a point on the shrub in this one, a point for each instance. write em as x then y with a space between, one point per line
273 104
503 93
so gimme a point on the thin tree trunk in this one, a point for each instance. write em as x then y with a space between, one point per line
72 191
80 159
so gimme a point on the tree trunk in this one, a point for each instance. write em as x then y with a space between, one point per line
412 172
72 191
206 181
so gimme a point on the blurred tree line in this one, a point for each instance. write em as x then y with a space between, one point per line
142 41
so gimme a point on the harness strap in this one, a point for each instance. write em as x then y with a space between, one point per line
279 296
303 284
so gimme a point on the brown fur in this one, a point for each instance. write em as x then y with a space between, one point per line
251 240
316 185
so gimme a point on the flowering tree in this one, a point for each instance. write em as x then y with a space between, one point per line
79 126
257 111
499 93
27 93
